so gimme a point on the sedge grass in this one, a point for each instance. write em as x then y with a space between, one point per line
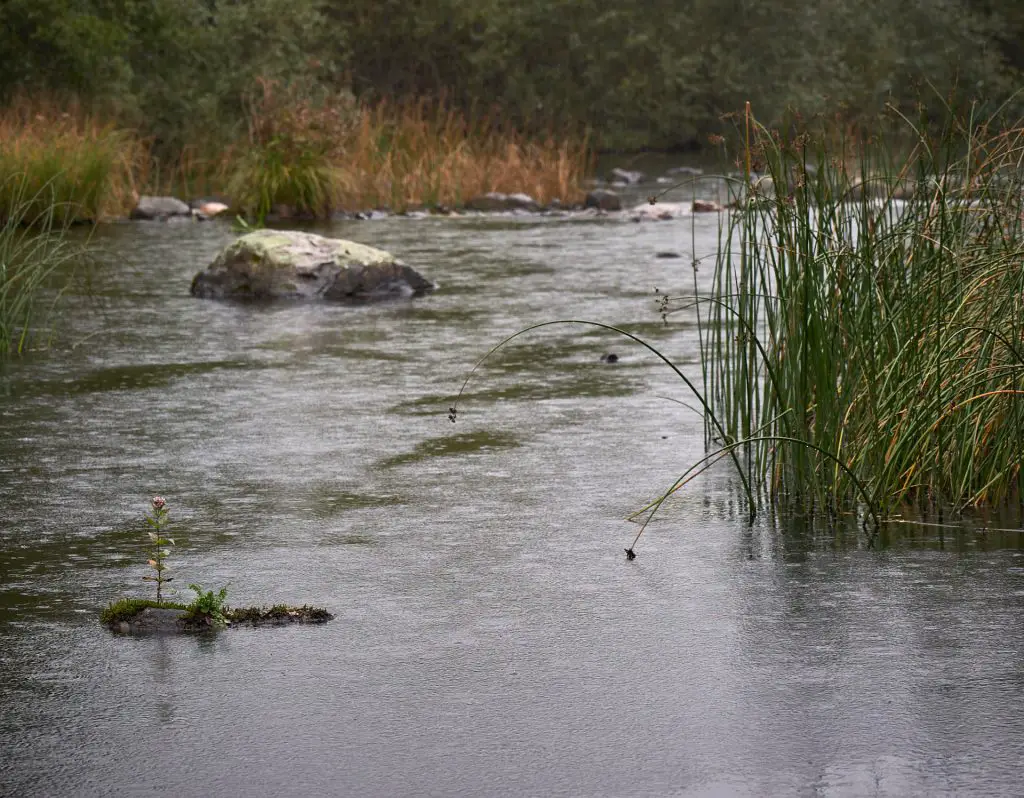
887 332
33 246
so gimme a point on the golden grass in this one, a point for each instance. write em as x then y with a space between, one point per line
421 154
313 156
59 155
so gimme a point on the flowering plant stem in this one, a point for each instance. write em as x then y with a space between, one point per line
158 520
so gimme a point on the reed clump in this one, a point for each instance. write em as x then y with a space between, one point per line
33 246
64 162
863 337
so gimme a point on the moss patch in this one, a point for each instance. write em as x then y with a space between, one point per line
126 611
128 608
277 615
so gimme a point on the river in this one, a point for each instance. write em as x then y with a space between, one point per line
490 636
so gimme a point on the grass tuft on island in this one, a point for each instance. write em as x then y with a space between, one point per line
125 609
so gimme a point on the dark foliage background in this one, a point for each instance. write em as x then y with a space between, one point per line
658 73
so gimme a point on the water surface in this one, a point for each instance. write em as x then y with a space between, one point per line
490 637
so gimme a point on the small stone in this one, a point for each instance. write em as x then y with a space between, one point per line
706 206
159 208
497 202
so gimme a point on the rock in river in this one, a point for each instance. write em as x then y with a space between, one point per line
496 201
159 208
289 264
603 199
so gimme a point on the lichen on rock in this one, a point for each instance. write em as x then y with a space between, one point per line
290 264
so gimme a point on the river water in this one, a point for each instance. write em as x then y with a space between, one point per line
490 636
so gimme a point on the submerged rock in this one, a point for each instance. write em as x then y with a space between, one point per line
603 199
496 202
625 177
660 211
684 171
290 264
160 208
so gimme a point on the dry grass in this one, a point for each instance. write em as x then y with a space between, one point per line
60 155
311 155
423 154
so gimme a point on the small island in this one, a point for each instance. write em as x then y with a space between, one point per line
208 612
144 616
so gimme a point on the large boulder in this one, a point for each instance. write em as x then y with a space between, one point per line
289 264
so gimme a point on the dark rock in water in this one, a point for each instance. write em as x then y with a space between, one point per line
603 199
290 264
155 621
160 208
611 357
496 202
706 206
625 176
668 254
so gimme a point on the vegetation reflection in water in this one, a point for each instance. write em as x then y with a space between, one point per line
133 377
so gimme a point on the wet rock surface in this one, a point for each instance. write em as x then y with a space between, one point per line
289 264
497 202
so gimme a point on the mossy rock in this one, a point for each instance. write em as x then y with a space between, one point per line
291 264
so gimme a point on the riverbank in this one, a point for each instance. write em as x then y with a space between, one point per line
297 158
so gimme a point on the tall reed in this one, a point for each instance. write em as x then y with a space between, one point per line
33 245
864 332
